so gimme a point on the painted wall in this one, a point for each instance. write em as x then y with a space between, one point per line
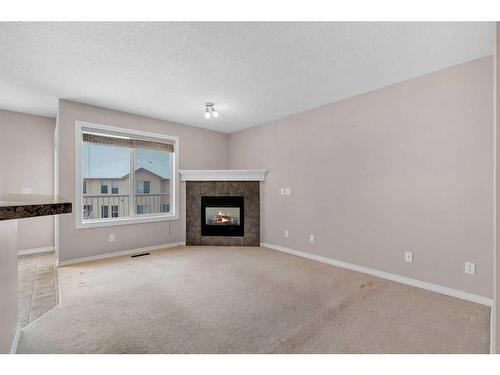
27 160
405 168
199 149
495 346
8 283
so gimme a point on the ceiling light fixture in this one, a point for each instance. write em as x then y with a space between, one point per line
210 110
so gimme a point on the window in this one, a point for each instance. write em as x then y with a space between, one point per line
104 212
87 211
143 187
114 187
143 209
135 172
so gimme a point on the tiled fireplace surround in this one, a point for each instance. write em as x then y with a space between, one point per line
247 189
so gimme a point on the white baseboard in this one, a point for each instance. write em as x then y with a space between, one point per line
15 340
385 275
36 250
120 253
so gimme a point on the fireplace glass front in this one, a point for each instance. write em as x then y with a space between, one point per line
222 216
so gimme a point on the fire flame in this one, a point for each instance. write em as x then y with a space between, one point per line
222 217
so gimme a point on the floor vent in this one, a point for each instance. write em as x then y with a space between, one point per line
139 255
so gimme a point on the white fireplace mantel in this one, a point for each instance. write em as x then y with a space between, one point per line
223 175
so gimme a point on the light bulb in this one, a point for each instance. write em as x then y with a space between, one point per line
207 114
215 113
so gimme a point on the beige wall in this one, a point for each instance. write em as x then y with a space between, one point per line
199 149
27 161
404 168
496 257
8 283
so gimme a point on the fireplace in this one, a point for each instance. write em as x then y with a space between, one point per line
222 216
242 194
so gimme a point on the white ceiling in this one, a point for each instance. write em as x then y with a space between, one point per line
254 72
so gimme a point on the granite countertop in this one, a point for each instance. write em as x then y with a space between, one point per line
20 206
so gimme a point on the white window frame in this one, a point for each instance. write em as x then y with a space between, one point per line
80 127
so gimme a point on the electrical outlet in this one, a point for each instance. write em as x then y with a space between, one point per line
286 233
26 190
470 268
282 190
111 237
288 191
408 256
311 238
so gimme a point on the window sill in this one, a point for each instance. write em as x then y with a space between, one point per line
124 221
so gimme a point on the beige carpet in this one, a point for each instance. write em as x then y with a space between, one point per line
247 300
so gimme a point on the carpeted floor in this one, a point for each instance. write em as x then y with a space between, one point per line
247 300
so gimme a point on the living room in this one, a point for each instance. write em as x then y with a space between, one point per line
279 188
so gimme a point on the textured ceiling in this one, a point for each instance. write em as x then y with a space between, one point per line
254 72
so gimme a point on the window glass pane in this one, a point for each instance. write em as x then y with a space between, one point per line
105 175
114 187
143 209
104 212
153 176
87 212
139 187
107 190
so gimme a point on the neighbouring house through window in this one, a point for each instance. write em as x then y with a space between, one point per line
114 187
104 212
143 209
143 187
125 176
87 211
